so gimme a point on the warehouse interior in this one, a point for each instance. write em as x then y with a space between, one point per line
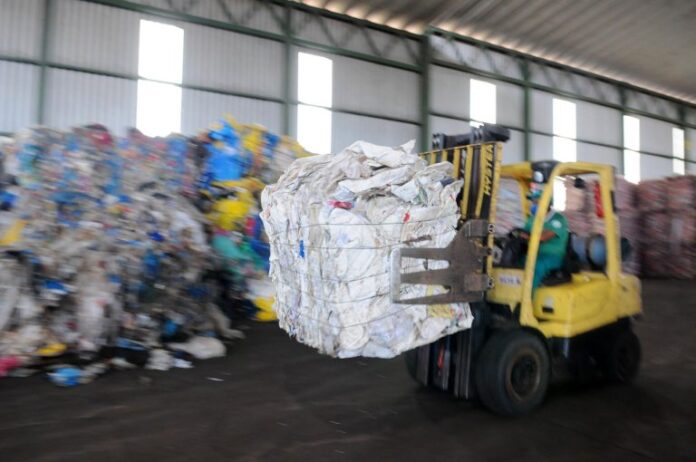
585 83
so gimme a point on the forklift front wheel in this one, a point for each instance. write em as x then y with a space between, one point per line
513 372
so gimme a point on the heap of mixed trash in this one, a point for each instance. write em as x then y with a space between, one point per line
122 252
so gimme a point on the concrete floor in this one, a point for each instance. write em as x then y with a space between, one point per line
278 400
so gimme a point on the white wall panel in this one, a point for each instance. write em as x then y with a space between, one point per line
343 34
651 104
542 147
250 13
200 109
224 60
513 150
381 90
652 167
599 154
571 82
76 98
598 123
691 116
509 104
655 136
542 111
95 36
449 91
472 56
348 128
18 88
448 126
20 27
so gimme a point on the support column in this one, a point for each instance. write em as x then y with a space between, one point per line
43 61
425 91
287 70
527 110
622 103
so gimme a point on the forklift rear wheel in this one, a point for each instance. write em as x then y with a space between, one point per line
512 372
621 358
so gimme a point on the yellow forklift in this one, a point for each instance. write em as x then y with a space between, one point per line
578 319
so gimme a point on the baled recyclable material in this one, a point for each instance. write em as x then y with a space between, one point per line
332 222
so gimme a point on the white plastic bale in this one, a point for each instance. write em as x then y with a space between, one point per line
333 222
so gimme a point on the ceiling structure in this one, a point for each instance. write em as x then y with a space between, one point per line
647 43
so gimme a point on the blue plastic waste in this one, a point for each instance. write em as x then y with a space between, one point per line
66 376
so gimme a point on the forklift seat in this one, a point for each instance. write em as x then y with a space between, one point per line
571 265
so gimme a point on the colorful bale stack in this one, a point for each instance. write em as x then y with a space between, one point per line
681 242
508 213
629 223
651 201
576 198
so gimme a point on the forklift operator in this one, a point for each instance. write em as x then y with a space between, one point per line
553 241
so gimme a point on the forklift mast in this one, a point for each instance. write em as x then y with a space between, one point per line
476 157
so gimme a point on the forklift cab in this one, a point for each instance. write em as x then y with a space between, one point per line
571 300
580 317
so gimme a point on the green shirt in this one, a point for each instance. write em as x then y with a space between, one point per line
556 246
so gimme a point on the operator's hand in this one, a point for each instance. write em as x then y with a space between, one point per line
519 233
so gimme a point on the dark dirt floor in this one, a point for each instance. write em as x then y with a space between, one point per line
277 400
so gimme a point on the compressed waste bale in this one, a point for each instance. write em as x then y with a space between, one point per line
682 261
508 212
681 192
655 260
629 225
624 193
579 222
681 242
683 225
656 227
576 199
332 223
651 195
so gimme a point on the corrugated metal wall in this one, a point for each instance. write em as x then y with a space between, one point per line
228 61
348 128
94 37
77 98
92 59
18 95
20 28
200 108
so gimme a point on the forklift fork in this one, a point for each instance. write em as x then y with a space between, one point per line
464 277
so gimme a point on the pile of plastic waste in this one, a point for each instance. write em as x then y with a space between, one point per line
332 222
240 161
130 251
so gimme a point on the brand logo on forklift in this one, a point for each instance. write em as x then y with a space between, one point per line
488 170
510 280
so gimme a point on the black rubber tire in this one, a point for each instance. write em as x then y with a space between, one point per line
620 360
411 359
513 372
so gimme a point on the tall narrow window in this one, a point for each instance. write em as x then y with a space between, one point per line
631 156
564 144
678 164
160 68
482 102
314 92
